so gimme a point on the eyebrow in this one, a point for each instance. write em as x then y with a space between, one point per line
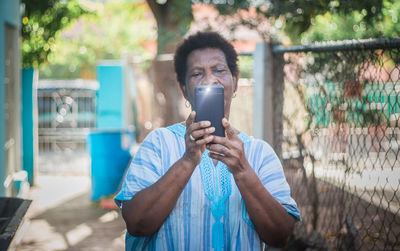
214 65
223 65
195 68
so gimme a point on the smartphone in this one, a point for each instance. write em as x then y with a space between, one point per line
209 105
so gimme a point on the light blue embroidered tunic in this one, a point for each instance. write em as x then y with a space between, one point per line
190 224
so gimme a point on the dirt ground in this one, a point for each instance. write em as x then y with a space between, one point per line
62 217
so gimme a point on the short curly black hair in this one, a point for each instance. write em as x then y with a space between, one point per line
203 40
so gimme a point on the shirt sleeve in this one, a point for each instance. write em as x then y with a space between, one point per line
144 169
273 178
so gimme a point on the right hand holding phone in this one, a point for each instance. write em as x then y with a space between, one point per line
230 150
197 136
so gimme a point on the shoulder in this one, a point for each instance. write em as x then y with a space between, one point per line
262 156
266 147
258 144
158 134
253 144
158 141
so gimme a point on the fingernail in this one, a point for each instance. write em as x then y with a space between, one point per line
211 129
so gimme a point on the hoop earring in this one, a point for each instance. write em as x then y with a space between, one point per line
187 104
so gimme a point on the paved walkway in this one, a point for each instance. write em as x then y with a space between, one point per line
62 217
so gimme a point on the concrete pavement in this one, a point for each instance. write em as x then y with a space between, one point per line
62 217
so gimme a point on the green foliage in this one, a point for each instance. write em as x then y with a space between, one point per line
125 27
353 26
298 16
246 66
116 28
41 23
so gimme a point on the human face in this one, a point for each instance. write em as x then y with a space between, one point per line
209 66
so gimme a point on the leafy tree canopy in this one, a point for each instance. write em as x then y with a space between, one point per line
352 26
295 17
41 23
103 37
114 29
309 20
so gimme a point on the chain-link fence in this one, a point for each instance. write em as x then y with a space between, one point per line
341 144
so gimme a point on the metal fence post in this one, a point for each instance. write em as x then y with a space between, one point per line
268 96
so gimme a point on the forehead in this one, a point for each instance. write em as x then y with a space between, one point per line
205 57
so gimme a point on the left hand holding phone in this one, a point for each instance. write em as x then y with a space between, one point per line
197 136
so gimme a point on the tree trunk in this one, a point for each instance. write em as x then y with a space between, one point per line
173 21
167 95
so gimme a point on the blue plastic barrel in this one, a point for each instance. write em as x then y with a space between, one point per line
110 156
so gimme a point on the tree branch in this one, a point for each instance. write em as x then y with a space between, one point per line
156 9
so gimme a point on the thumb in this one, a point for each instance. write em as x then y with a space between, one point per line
230 132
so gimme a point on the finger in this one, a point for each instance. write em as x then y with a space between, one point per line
218 157
230 132
199 125
219 149
206 140
223 141
202 132
189 123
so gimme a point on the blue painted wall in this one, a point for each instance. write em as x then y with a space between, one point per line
110 97
9 14
28 156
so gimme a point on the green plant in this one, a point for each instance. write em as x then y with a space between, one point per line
41 23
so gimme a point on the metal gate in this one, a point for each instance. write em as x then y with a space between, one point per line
66 114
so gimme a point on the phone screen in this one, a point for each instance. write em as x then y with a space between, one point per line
209 105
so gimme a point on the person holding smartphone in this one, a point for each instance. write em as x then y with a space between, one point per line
188 188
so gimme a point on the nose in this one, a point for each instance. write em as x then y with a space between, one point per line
210 79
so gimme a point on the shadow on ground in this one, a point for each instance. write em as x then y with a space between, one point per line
75 224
